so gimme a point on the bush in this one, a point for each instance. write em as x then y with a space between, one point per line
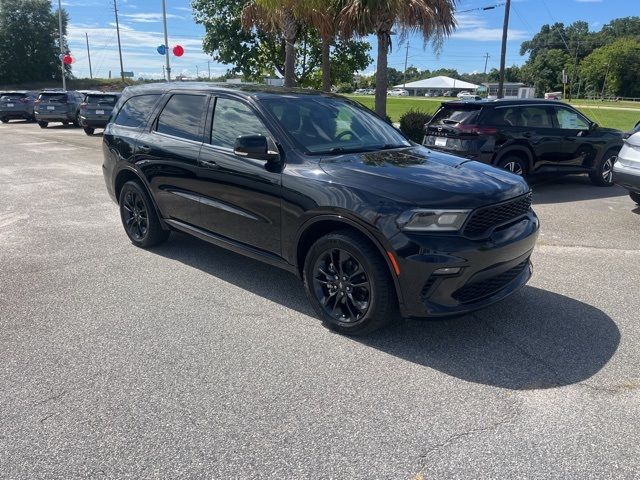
412 124
345 88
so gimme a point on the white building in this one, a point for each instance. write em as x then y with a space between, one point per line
437 86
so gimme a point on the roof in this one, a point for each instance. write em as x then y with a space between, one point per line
512 84
506 102
439 82
248 90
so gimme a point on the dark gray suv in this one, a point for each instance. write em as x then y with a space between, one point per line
17 105
96 110
58 106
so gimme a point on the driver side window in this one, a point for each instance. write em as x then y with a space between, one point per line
232 118
569 120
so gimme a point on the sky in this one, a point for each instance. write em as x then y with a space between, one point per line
478 33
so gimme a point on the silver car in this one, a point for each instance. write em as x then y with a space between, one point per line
626 170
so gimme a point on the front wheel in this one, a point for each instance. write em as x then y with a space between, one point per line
635 196
348 284
43 124
139 218
515 165
602 175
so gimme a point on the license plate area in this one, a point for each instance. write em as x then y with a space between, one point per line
50 107
10 105
99 112
440 142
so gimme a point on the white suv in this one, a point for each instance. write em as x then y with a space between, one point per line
626 170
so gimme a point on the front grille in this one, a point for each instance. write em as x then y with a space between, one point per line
475 291
486 218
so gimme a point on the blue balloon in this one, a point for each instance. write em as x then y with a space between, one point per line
162 50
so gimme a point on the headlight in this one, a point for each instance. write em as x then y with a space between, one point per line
432 220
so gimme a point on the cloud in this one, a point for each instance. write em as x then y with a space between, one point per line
472 27
184 9
148 17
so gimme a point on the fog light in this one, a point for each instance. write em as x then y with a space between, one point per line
447 271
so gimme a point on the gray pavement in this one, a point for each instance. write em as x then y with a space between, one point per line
188 361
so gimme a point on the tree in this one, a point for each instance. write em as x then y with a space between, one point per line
29 39
323 16
273 16
511 74
545 72
255 54
432 18
618 63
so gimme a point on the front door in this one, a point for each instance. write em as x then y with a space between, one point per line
542 135
579 146
240 196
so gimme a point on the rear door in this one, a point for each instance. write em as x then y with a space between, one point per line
240 196
53 103
14 102
536 126
167 154
99 107
444 131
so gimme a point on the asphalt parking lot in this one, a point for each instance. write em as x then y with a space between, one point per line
187 361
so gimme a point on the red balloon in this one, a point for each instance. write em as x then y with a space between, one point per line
178 51
68 59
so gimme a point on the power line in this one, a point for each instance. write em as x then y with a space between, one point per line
488 7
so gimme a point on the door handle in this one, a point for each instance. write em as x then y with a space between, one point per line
527 134
570 139
209 163
144 149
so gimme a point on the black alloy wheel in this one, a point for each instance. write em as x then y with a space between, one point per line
139 218
341 285
603 173
348 283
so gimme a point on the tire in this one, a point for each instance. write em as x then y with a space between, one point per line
514 164
65 123
635 196
89 131
603 173
348 284
76 122
139 218
43 124
4 120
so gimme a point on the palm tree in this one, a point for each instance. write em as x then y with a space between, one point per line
323 15
432 18
276 16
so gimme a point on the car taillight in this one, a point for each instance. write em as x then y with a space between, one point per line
83 104
37 102
476 129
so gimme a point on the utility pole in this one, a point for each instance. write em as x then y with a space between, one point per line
406 57
604 83
503 53
209 68
115 9
86 35
197 72
64 80
166 39
486 60
164 76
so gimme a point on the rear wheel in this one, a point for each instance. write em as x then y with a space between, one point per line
139 218
348 284
514 164
602 175
4 120
635 196
89 130
76 122
65 123
43 124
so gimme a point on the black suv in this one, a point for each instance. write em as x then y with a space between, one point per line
320 186
58 106
526 137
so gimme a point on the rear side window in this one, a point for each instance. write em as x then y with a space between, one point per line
136 110
101 99
455 114
182 116
503 117
536 117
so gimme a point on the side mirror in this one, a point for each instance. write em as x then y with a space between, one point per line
254 146
593 126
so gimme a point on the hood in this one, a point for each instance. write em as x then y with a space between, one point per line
425 178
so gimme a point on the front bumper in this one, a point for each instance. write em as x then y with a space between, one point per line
626 176
490 269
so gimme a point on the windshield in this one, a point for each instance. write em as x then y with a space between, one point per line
453 115
321 125
13 96
102 99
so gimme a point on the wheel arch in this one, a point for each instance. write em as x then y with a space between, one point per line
127 174
518 150
323 224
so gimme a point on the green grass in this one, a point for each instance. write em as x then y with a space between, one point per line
620 119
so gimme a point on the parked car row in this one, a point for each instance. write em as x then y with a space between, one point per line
86 109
